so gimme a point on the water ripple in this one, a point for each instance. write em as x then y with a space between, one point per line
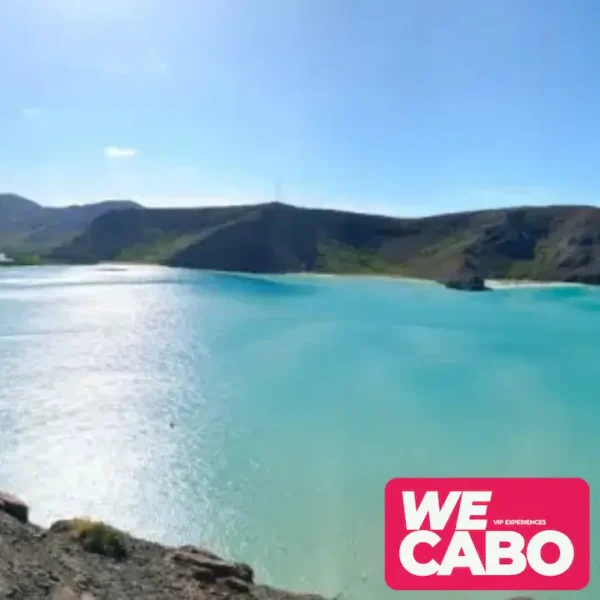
262 416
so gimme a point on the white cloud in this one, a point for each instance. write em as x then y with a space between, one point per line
118 152
31 113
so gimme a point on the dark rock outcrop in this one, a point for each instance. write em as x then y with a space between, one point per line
13 506
59 564
202 563
463 274
470 283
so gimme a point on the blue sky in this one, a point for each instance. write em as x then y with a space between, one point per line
399 106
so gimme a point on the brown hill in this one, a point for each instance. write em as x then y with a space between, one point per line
542 243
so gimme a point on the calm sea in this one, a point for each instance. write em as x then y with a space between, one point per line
263 416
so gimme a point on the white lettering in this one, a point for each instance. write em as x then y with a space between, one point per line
461 542
430 505
407 553
494 553
505 552
565 558
468 509
462 553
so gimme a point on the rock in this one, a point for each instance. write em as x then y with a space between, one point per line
199 550
62 526
471 283
14 507
237 584
205 575
65 593
60 567
218 567
83 581
244 572
43 581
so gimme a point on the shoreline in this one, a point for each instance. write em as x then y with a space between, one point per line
492 284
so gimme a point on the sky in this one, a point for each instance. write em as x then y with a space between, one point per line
404 107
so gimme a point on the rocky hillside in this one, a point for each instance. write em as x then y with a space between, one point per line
86 560
26 226
543 243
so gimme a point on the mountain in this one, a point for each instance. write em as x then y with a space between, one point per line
16 211
26 226
542 243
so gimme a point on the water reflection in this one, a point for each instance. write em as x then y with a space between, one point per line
263 417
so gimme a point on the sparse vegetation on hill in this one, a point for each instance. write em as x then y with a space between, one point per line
543 243
28 227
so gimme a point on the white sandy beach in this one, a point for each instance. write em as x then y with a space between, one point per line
500 284
494 284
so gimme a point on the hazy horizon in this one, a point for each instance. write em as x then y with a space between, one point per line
367 209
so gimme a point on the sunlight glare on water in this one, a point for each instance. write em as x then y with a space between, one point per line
262 417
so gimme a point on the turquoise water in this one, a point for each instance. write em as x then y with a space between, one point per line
293 400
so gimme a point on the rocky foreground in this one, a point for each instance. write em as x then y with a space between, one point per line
80 559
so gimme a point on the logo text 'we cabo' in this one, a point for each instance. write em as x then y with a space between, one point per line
487 534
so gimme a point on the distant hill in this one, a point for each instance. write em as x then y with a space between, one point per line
16 211
542 243
26 226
